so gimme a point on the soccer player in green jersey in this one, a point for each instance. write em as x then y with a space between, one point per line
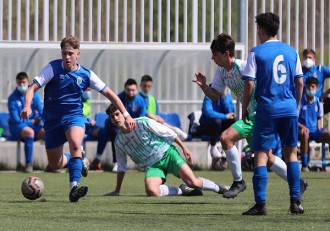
150 146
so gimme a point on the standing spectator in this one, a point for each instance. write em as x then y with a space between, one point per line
150 146
311 113
276 68
65 81
310 69
93 130
27 130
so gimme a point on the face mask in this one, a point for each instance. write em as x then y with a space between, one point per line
87 94
22 89
311 93
308 63
144 94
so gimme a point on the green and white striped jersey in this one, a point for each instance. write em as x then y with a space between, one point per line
233 80
145 145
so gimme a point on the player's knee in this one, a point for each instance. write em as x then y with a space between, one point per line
152 192
54 166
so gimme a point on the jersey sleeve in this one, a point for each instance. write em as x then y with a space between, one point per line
45 75
161 130
96 83
217 82
299 72
251 67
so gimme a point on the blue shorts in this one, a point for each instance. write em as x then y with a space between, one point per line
316 135
16 130
55 130
267 133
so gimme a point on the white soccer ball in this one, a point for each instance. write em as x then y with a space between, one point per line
219 164
32 188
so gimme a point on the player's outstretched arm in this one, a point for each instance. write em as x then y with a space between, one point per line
25 113
120 178
208 91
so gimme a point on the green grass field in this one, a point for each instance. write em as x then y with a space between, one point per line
135 211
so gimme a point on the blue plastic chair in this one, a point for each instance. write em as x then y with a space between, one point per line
172 119
100 119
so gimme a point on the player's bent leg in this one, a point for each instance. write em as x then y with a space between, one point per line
56 158
152 186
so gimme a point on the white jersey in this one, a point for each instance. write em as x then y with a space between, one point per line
145 145
233 80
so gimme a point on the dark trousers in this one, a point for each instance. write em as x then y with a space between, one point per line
112 132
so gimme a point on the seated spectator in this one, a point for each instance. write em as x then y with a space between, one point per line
95 131
311 113
216 117
152 107
26 130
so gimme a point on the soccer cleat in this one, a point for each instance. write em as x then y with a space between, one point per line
187 191
28 168
235 189
77 192
257 209
305 168
95 165
296 207
222 188
85 167
303 186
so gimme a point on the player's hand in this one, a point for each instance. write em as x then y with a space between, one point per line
36 121
130 123
114 193
25 113
245 117
93 122
230 115
200 79
188 156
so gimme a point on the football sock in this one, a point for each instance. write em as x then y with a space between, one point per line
75 167
68 157
304 159
279 167
102 140
234 161
209 185
169 190
215 152
294 179
259 179
28 149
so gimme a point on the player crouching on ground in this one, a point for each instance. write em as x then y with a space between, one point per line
149 145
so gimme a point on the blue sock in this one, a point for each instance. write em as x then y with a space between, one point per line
304 159
75 167
28 149
294 179
259 179
68 156
102 139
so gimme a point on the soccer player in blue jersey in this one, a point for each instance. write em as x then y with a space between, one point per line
310 69
150 146
65 81
28 130
276 69
311 113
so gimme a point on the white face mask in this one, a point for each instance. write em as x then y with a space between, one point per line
308 63
311 93
22 89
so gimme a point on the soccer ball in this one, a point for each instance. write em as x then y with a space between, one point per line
32 188
219 164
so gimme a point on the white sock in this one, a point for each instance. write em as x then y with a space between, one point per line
209 185
74 183
169 191
215 152
234 161
279 167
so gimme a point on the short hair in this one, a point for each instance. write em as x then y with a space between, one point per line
146 78
223 43
111 109
308 51
312 80
130 82
22 75
270 22
72 41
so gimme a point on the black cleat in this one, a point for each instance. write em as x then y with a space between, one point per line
257 209
303 186
296 207
187 191
77 192
235 189
222 188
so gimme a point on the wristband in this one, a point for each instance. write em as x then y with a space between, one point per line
125 114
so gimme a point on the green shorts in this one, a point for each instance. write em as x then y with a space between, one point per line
170 163
245 130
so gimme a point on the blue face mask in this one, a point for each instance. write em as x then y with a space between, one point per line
311 93
87 94
22 89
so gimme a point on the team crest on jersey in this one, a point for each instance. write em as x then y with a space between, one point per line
79 80
62 76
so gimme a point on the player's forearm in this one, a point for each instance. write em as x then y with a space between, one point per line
29 96
211 93
248 88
